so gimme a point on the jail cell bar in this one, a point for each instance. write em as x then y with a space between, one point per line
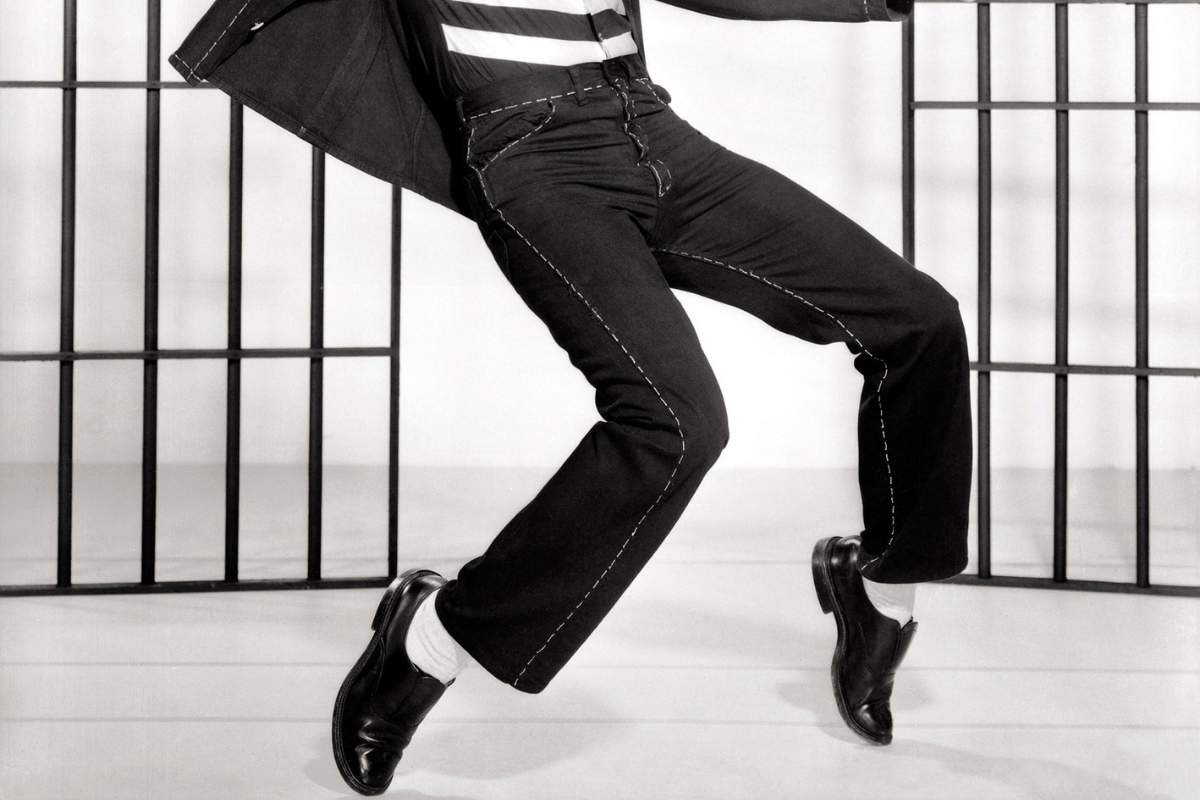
1061 369
150 355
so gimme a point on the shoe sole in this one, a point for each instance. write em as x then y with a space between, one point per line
827 598
386 605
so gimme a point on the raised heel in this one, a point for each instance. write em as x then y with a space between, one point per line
820 571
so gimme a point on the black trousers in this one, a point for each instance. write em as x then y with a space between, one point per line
597 200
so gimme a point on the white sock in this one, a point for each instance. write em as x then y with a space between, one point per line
893 600
431 647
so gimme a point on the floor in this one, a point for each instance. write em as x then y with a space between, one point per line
708 680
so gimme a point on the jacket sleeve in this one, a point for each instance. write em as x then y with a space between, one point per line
819 10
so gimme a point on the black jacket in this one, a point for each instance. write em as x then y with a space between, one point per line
334 72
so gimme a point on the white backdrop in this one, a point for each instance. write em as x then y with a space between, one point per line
482 381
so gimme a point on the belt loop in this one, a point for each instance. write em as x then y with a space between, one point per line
458 109
628 67
608 70
638 66
577 82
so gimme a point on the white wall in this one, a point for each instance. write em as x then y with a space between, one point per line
482 382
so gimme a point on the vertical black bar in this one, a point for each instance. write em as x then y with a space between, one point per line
66 323
233 379
316 339
984 392
908 144
1142 254
394 388
150 298
1061 197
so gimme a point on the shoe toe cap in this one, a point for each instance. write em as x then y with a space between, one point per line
373 766
875 720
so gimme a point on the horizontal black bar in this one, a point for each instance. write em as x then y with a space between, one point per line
271 584
1066 105
350 352
167 587
1072 2
213 352
1080 104
1083 369
1013 582
31 84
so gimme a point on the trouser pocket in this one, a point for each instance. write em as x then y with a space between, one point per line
494 134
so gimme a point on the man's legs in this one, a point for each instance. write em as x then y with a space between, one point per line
594 212
734 230
564 208
565 214
593 223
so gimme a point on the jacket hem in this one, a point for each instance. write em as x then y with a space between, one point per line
294 126
184 69
889 10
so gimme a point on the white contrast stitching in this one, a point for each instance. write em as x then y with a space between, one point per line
679 427
214 44
643 150
667 187
519 139
650 86
657 178
878 388
535 100
191 71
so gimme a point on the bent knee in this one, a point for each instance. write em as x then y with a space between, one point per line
705 433
705 441
941 317
686 418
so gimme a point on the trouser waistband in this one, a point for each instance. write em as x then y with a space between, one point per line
575 81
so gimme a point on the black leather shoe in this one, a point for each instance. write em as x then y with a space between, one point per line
385 696
870 645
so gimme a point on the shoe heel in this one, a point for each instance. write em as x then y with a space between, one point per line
389 594
820 573
385 602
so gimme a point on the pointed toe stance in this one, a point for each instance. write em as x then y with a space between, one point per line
385 696
870 645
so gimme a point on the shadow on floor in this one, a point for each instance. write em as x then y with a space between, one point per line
1025 777
321 771
766 638
475 752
